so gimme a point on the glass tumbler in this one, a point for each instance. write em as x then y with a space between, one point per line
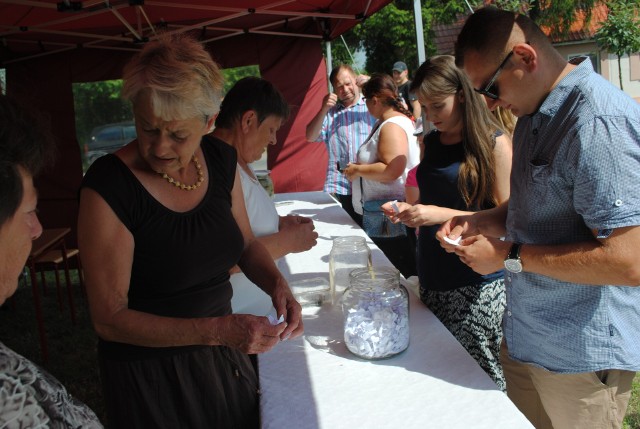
376 313
347 254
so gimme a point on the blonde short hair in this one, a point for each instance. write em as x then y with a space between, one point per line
179 77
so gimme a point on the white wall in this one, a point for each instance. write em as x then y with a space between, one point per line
630 87
608 65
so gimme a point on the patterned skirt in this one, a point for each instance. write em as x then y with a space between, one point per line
473 314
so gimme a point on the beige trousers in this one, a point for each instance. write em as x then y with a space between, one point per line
590 400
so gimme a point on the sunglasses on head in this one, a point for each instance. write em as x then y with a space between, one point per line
491 89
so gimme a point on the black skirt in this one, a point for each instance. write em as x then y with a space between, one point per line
203 387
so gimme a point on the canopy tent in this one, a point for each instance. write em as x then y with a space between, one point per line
46 45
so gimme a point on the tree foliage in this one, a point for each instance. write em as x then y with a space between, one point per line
620 33
231 76
389 35
99 103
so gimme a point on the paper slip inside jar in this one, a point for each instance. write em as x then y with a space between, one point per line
376 330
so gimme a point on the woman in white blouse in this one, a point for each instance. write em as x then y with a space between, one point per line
384 160
250 115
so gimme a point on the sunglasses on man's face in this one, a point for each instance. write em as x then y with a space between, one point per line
491 89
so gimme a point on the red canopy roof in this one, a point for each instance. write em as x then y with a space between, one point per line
30 28
45 45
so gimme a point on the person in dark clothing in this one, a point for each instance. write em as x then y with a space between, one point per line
161 223
400 74
465 168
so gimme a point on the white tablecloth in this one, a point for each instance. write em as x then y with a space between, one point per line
314 382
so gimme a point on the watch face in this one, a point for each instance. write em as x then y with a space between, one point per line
513 265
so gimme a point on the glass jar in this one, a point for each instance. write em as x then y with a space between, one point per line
347 254
376 313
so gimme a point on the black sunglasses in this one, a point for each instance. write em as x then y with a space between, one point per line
491 90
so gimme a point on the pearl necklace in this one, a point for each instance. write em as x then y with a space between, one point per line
182 186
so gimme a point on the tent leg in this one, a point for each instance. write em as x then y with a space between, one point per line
329 63
417 14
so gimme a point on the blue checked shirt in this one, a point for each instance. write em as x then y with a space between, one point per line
576 167
344 129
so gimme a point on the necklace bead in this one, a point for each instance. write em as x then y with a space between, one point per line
183 186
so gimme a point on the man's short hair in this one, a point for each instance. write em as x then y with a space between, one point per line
488 31
337 69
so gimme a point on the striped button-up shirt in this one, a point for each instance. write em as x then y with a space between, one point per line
576 168
344 129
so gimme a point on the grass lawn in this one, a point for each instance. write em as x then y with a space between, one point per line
72 349
632 419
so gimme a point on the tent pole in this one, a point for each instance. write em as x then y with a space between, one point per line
329 63
417 13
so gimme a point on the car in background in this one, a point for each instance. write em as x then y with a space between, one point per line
108 138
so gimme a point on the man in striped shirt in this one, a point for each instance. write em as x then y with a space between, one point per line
343 124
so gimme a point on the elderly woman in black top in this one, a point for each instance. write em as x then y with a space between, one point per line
161 223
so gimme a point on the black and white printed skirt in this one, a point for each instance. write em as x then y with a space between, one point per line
473 314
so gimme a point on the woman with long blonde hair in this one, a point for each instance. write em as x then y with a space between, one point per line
465 168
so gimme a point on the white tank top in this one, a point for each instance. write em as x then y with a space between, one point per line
263 217
368 154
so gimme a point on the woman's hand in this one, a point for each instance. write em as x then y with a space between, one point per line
247 333
287 306
415 215
299 233
412 215
352 171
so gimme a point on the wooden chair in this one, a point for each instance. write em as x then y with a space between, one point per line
54 260
50 239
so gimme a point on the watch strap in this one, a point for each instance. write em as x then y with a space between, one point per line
514 253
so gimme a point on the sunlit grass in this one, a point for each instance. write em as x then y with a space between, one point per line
632 419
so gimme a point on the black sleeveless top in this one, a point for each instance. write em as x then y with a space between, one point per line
181 261
437 177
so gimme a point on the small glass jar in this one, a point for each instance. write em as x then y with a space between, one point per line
376 313
347 254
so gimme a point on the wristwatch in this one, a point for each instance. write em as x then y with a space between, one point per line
513 263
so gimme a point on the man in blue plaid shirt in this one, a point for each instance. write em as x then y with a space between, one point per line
343 124
572 225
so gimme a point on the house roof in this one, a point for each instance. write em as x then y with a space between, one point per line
446 34
581 29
